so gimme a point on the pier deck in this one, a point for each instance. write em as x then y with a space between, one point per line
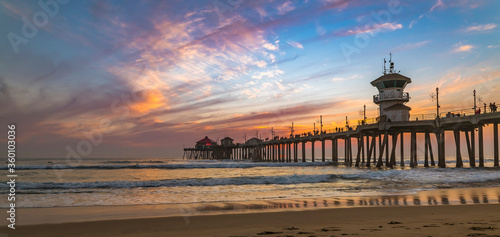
387 133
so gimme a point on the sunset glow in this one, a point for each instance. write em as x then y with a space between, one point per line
151 77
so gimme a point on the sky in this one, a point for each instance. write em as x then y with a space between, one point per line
148 78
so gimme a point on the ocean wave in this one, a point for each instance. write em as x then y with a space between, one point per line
399 178
258 180
212 165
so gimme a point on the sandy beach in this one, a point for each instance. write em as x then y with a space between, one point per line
468 220
451 212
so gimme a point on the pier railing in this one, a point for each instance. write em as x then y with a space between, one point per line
404 96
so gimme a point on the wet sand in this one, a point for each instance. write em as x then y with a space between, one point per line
447 212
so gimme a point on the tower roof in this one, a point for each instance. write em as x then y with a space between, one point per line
390 77
206 140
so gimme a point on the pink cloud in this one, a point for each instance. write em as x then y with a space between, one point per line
484 27
438 4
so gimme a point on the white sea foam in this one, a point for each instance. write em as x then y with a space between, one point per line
289 179
408 177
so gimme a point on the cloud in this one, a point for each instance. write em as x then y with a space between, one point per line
493 46
409 46
346 78
438 4
412 23
371 29
153 99
463 47
17 10
285 7
270 46
484 27
295 44
269 74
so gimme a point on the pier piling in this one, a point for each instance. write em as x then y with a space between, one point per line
495 144
335 155
457 145
481 147
303 151
323 150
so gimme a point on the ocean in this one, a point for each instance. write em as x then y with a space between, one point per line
45 183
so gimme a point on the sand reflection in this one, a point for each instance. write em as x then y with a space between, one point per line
470 196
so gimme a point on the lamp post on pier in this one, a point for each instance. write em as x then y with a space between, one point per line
475 108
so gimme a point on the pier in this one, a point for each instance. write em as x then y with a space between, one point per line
374 142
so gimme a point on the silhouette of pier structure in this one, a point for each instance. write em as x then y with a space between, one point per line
376 142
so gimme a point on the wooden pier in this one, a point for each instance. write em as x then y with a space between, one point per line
376 144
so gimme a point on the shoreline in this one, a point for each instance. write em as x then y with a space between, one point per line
438 197
445 220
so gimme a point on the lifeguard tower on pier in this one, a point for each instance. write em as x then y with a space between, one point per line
391 97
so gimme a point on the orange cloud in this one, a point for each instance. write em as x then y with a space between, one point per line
463 48
153 99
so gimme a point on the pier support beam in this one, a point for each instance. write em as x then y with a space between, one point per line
286 152
279 152
323 150
457 145
360 149
427 144
371 151
268 153
380 144
387 151
367 147
361 142
402 150
431 153
392 162
303 151
346 153
481 147
274 152
312 151
495 144
335 154
473 148
441 149
283 154
469 151
295 152
382 147
413 149
289 152
350 151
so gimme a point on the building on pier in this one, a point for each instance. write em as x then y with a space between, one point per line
205 143
254 148
227 142
391 98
